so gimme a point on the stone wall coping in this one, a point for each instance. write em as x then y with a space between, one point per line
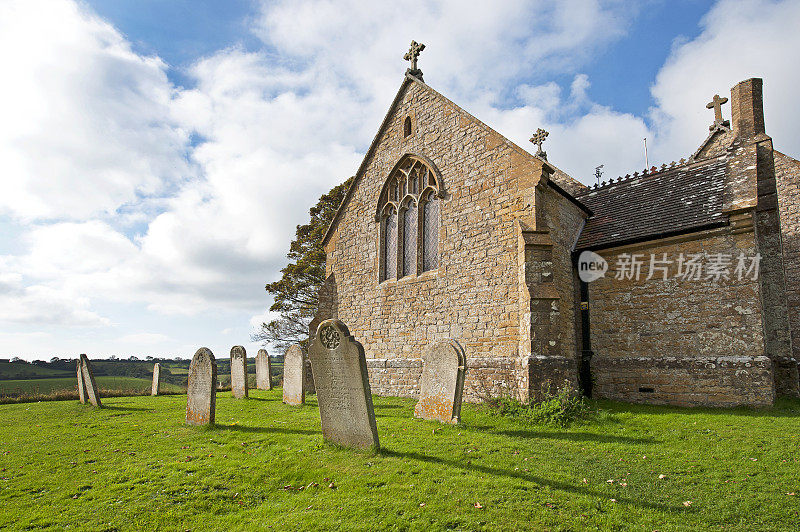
732 358
743 359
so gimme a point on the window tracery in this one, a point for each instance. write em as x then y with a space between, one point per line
409 216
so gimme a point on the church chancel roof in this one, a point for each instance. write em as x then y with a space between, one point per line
655 204
661 202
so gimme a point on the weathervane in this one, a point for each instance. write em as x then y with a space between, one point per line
537 139
716 104
412 55
598 173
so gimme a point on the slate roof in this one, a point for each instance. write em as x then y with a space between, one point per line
655 204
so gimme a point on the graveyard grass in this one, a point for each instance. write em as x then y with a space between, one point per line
134 465
45 386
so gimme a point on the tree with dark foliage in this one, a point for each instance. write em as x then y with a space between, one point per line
295 295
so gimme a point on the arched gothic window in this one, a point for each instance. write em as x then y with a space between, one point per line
409 216
407 126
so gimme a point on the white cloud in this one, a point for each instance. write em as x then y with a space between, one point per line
583 134
740 39
471 45
86 122
95 138
143 339
42 305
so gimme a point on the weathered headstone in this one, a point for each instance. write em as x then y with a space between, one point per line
202 394
310 388
89 384
239 372
343 393
294 370
263 370
442 382
82 396
156 379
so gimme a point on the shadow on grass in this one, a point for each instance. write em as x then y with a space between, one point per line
784 407
107 406
265 430
553 484
392 413
571 436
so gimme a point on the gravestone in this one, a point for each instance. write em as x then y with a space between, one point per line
202 394
294 389
239 372
310 389
156 379
442 382
89 384
81 387
263 370
343 393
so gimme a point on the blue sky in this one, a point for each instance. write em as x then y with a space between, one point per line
158 155
181 31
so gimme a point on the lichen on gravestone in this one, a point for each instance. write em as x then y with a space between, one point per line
442 382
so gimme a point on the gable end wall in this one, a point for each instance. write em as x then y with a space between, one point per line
473 297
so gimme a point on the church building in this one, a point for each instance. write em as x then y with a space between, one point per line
678 284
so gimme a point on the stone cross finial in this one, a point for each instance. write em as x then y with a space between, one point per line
537 139
412 55
716 104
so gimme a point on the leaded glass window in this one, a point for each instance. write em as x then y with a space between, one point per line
409 213
390 245
430 233
410 239
413 181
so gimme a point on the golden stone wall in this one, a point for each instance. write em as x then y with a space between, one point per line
473 297
686 318
685 342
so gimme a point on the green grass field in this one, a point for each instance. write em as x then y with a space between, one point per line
135 465
27 371
47 386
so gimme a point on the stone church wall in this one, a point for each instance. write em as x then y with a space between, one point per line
721 382
473 296
689 342
777 332
554 351
787 171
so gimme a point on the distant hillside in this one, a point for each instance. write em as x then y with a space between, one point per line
23 370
